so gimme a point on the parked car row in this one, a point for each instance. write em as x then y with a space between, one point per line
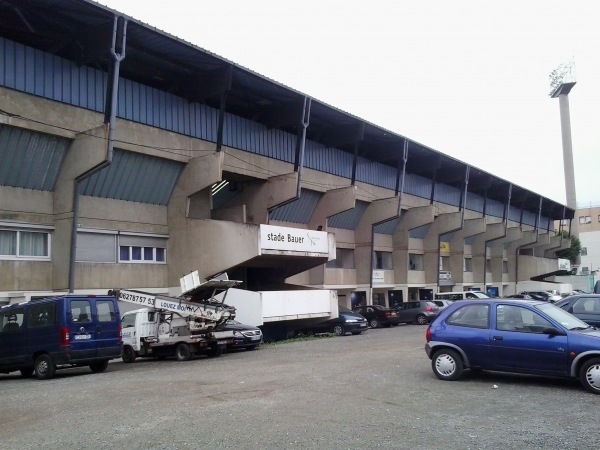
519 336
420 312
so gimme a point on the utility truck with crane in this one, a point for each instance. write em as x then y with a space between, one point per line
182 326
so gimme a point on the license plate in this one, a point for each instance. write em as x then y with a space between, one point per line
254 338
363 324
81 337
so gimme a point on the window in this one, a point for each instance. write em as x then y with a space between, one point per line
515 318
41 315
11 320
24 244
81 311
583 251
585 219
468 265
472 316
344 259
106 311
142 249
415 261
128 321
382 260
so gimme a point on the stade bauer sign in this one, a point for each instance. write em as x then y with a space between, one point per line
293 239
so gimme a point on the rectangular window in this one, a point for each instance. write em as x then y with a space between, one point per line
42 315
11 320
81 311
382 260
24 244
585 219
468 265
344 259
142 249
106 311
415 261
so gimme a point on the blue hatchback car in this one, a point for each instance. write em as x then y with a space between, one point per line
518 336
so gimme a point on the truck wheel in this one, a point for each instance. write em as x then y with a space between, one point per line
26 372
44 367
99 366
215 351
183 352
129 354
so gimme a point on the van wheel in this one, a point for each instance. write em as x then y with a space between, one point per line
99 366
44 367
183 352
339 329
421 319
374 323
26 372
128 354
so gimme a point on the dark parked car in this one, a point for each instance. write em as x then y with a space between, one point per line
348 321
244 336
519 336
420 311
583 306
378 316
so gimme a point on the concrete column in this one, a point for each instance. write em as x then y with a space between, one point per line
332 202
377 211
478 250
409 220
87 150
471 227
443 223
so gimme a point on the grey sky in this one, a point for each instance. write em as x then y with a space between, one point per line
467 78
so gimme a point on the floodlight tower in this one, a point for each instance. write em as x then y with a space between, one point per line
562 80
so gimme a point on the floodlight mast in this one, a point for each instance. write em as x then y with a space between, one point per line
562 80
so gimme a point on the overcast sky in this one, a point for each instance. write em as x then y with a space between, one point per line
468 78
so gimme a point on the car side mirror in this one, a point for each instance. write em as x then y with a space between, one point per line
553 331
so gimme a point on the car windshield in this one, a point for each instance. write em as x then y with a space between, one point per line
569 321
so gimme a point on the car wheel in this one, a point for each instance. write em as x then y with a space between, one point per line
339 330
374 323
589 375
128 354
99 366
44 367
421 319
26 372
447 365
183 352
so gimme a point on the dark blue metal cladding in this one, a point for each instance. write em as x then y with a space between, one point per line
26 69
474 203
348 220
420 232
135 177
495 208
298 211
388 227
29 159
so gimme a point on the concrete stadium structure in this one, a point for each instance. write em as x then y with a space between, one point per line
129 158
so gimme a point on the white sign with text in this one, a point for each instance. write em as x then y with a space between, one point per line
293 239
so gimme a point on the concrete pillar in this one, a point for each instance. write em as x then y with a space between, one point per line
87 150
332 202
377 211
443 223
471 227
409 220
479 251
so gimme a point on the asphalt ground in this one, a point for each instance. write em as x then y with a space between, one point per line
376 390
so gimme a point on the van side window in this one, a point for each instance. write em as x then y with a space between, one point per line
41 315
81 311
106 311
11 320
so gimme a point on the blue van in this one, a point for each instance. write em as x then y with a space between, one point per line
44 335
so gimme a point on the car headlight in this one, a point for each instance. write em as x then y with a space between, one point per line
238 334
352 320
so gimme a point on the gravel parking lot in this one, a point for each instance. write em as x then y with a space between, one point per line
375 390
